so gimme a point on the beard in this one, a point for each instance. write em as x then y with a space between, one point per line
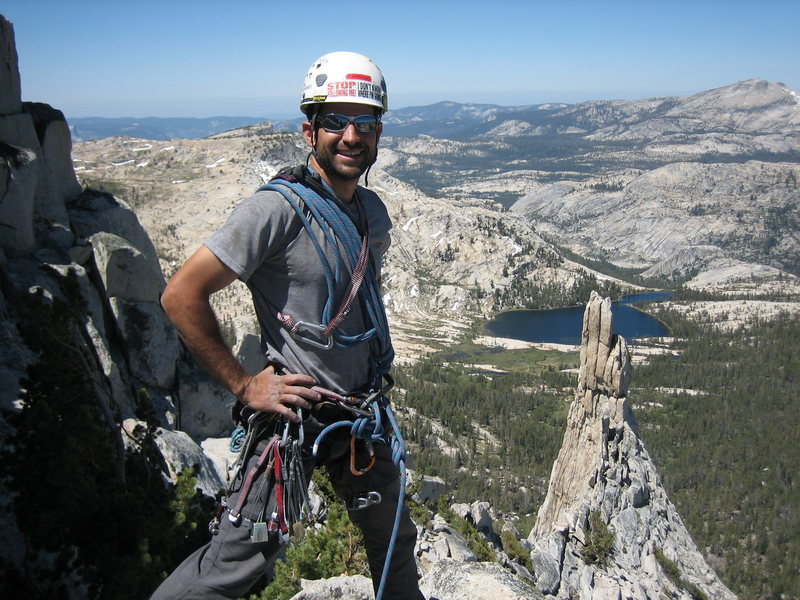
329 159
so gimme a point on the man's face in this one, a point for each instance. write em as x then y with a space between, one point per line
346 154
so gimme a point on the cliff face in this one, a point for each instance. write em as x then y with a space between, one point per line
682 219
62 244
607 528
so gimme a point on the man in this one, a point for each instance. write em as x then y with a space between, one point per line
324 336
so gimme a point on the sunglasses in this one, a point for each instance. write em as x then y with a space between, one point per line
336 123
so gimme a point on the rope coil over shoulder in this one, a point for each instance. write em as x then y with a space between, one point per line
314 201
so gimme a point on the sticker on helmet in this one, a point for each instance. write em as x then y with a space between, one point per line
359 89
359 76
321 78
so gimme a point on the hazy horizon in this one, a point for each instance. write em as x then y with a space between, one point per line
90 58
298 115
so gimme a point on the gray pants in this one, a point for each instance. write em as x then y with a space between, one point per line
230 564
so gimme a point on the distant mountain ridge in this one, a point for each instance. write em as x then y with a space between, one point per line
753 105
84 129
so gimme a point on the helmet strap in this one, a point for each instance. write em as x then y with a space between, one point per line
312 118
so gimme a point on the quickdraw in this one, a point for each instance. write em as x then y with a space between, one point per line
280 469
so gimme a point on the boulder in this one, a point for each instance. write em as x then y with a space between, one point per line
452 580
117 385
57 181
430 489
181 452
481 516
548 572
150 341
58 172
462 509
218 451
344 587
441 542
126 272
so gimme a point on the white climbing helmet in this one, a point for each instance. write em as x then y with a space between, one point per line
344 77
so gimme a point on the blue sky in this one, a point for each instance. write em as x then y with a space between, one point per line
248 58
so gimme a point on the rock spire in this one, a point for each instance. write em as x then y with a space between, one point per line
607 528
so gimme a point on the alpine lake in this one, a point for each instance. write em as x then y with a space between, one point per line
563 325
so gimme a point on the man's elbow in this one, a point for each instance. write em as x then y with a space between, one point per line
171 298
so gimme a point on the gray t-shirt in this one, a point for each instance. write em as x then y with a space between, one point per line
265 244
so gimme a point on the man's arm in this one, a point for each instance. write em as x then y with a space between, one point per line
186 302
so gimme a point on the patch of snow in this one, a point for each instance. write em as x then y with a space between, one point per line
408 223
793 94
385 191
216 163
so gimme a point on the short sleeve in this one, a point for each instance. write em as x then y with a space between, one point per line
257 229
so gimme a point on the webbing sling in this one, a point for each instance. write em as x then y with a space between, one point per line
341 234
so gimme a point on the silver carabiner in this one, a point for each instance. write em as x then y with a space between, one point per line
361 502
327 342
285 436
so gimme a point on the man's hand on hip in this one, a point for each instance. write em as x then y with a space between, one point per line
270 392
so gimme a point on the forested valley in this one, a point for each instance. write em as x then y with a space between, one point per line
719 414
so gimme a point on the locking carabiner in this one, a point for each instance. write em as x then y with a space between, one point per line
298 326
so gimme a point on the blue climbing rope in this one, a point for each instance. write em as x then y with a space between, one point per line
372 430
398 458
336 226
238 436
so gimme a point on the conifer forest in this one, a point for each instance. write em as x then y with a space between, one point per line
722 431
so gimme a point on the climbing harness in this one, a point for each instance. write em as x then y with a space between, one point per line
280 469
372 430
